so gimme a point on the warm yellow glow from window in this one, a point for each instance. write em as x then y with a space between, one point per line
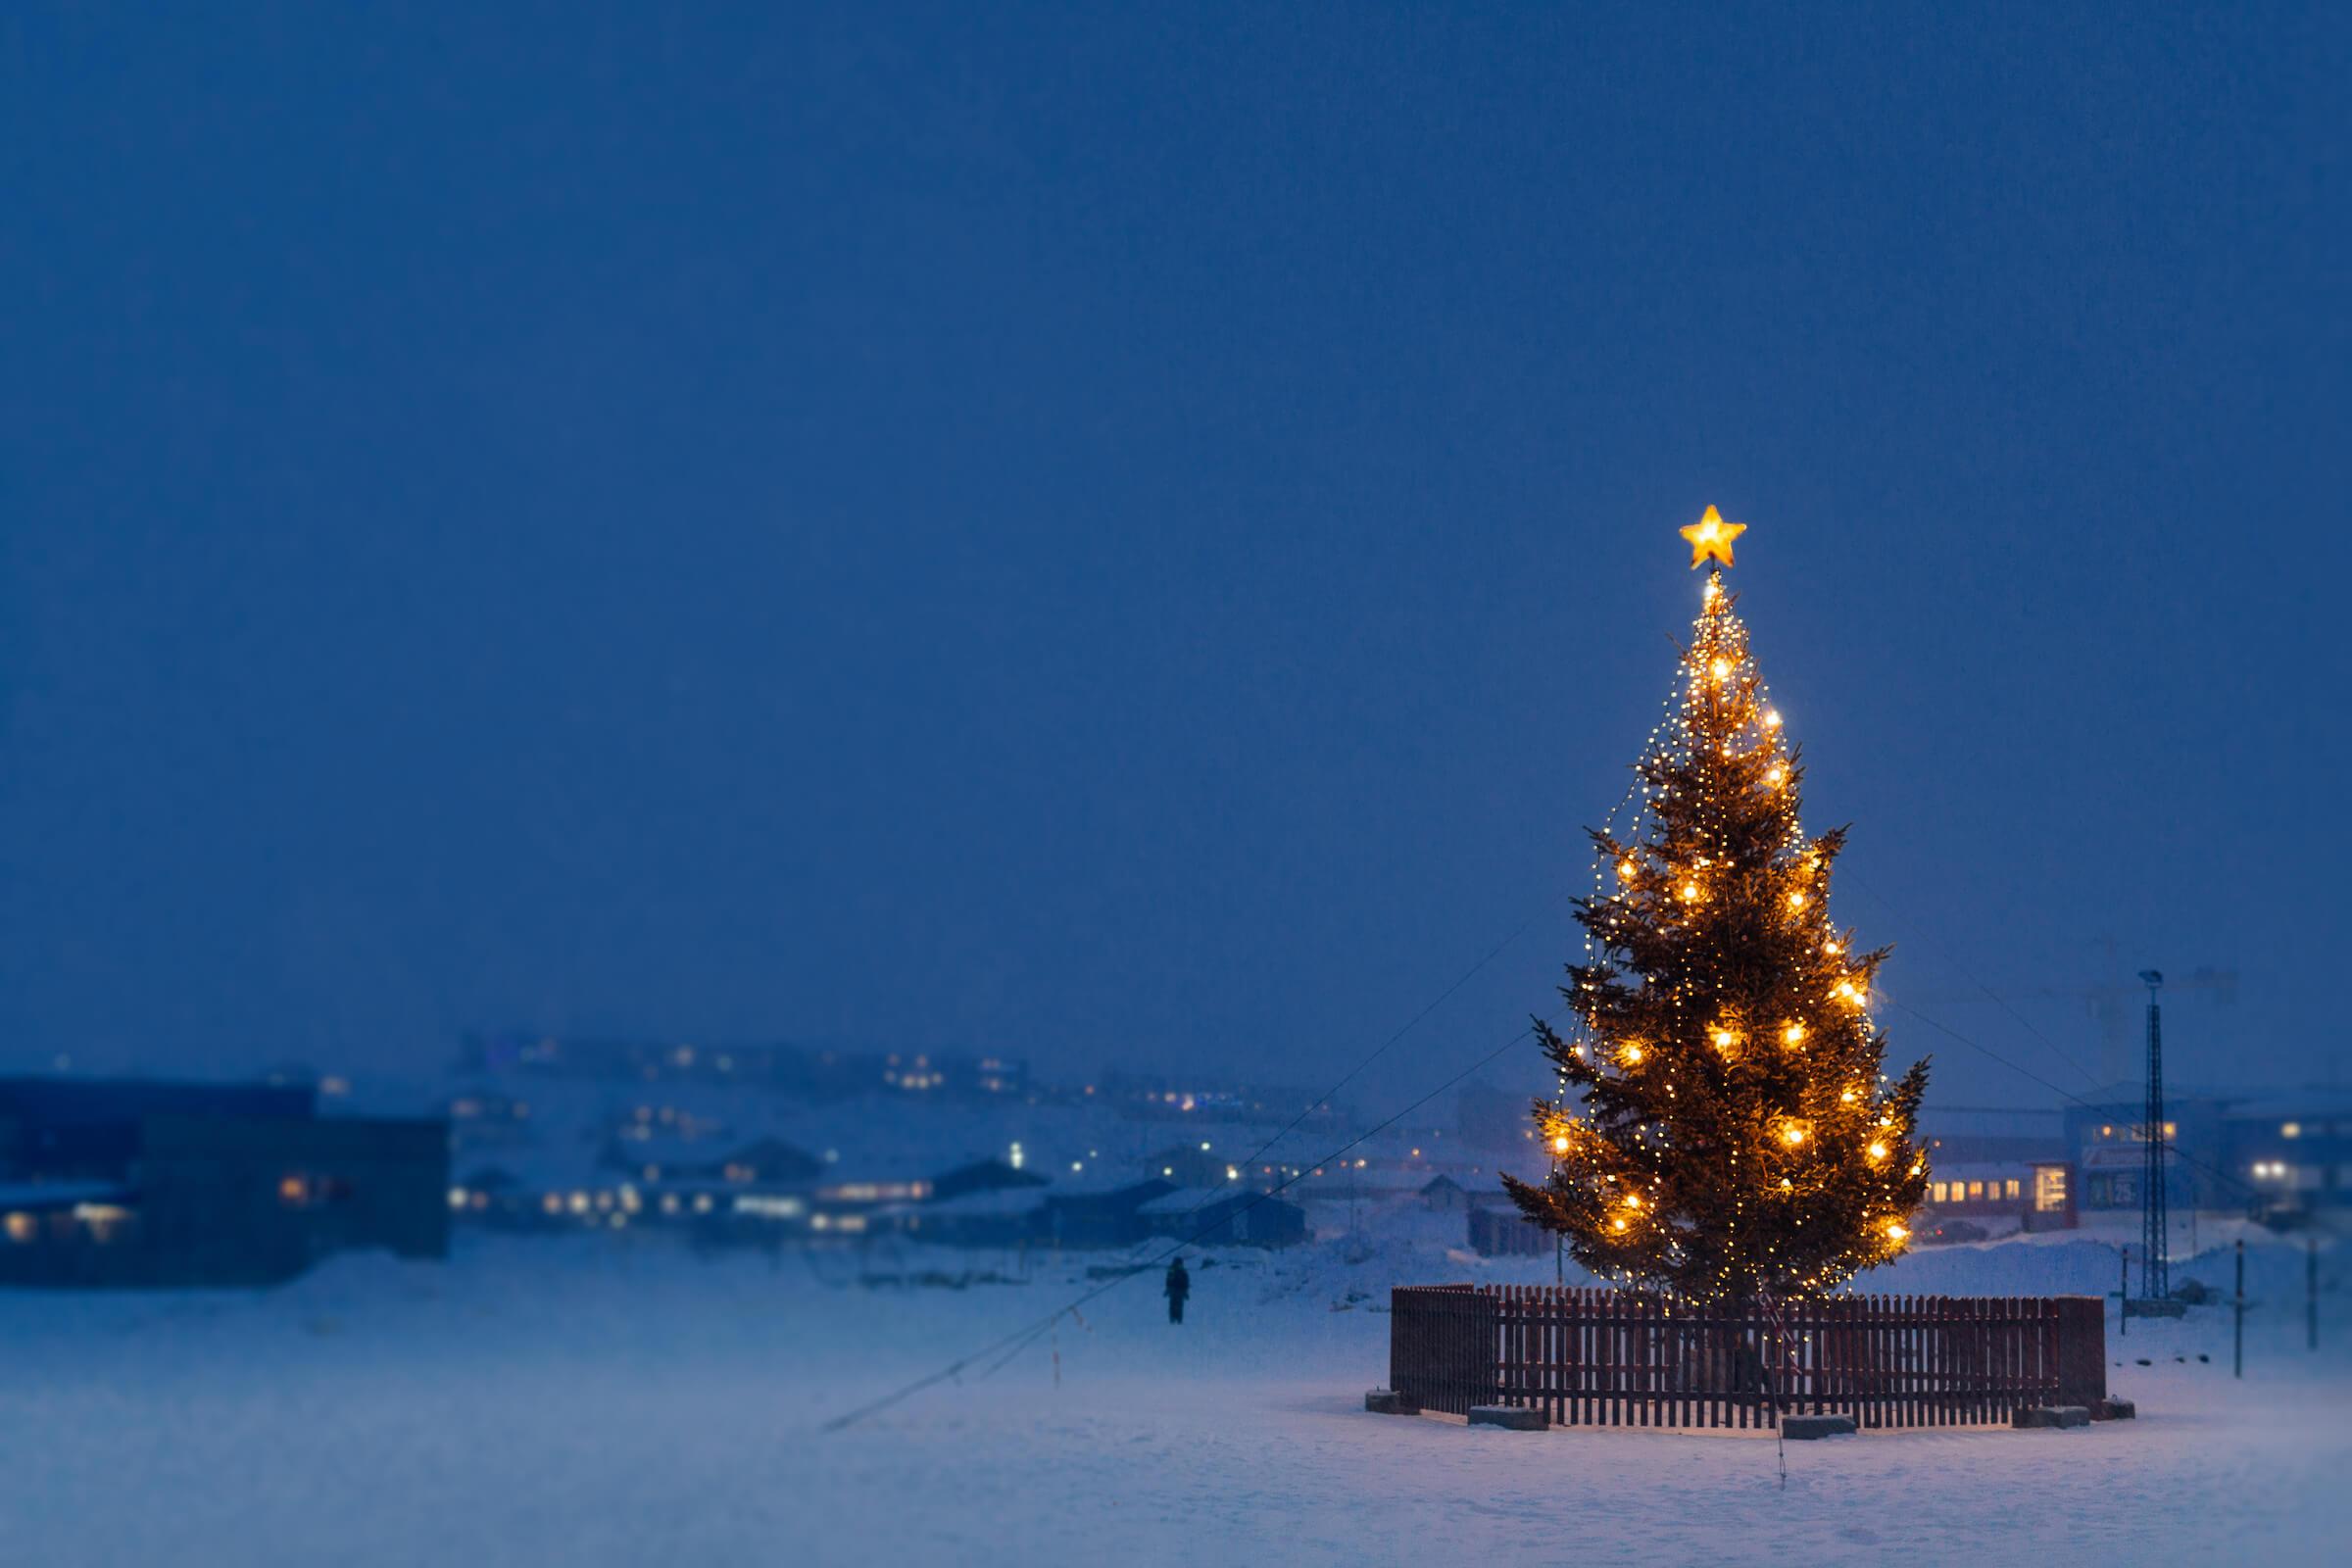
293 1190
2290 1129
22 1228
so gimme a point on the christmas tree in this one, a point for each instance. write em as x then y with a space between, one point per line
1725 1131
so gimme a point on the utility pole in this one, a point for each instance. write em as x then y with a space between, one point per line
2123 1291
2155 1223
2237 1315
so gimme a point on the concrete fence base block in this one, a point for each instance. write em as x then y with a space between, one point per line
2112 1408
1510 1417
2053 1415
1388 1402
1806 1428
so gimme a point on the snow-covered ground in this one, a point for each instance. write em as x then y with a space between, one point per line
592 1400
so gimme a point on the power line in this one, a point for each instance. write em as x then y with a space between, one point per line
1997 999
1028 1332
1382 1049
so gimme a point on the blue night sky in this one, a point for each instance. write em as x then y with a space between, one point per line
1142 535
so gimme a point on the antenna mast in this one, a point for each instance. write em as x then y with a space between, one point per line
2155 1224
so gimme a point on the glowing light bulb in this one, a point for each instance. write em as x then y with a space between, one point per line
1774 774
1627 868
1794 1035
1689 893
1722 1040
1721 669
1796 900
1896 1230
1877 1151
1631 1056
1617 1225
1830 947
1772 718
1792 1135
1848 1097
1633 1200
1559 1144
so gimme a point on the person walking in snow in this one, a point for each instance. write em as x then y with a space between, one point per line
1179 1286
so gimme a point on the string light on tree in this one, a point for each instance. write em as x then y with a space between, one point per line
1719 920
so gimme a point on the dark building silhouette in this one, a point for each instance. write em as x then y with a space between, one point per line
140 1182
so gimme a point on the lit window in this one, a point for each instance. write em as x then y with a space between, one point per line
2290 1129
2049 1189
1975 1189
2011 1189
294 1191
2172 1129
1935 1191
2107 1132
24 1228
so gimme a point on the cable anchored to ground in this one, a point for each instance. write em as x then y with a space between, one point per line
1028 1333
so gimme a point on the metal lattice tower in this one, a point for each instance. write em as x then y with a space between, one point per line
2155 1223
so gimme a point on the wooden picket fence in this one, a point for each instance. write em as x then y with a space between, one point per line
1602 1357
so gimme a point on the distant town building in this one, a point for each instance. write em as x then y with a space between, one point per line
1149 1096
1220 1216
813 1072
1499 1230
1443 1195
142 1181
1969 1202
2294 1150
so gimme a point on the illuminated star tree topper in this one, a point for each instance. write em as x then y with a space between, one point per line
1724 1130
